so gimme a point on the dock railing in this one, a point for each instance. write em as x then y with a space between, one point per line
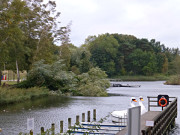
165 120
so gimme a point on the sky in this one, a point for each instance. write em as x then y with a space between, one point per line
151 19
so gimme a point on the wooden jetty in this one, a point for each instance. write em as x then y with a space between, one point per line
116 83
164 120
122 85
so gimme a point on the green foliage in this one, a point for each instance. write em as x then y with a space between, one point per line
174 68
119 54
93 83
28 30
176 64
53 76
65 55
104 51
80 60
142 62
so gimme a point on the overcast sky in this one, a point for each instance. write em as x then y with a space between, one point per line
151 19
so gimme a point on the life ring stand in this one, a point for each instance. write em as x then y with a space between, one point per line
163 99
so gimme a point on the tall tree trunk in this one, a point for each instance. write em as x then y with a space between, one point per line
18 76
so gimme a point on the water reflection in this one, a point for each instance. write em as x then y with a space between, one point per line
41 103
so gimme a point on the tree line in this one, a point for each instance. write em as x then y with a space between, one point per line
119 54
31 32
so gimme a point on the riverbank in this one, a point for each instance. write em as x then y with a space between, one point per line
173 80
15 95
142 78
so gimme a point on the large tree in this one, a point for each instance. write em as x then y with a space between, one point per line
28 31
104 51
12 15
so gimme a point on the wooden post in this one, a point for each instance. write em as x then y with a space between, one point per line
61 126
8 75
77 120
69 122
94 114
42 131
88 117
53 129
83 117
148 103
31 132
173 123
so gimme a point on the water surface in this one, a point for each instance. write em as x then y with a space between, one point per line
45 111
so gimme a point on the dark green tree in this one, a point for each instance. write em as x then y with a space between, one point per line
104 51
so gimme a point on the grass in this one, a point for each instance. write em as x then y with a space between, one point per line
9 82
14 95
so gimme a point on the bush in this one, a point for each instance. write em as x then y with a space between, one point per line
54 77
93 83
174 80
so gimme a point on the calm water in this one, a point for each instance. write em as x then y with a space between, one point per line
13 119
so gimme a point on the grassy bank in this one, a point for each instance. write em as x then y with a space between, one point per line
173 80
142 78
14 95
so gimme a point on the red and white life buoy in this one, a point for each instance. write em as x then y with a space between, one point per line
163 101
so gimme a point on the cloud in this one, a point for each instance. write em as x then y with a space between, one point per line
142 18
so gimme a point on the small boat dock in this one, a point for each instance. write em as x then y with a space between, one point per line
122 85
162 117
163 120
118 83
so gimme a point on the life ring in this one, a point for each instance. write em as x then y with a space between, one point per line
163 99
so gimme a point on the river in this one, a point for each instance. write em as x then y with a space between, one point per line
45 111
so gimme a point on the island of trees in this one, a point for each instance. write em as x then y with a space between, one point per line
33 40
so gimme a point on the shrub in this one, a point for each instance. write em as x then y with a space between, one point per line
93 83
52 76
174 80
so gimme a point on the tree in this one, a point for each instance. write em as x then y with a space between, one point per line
165 65
40 29
104 50
142 62
13 38
63 35
80 59
144 44
28 31
176 64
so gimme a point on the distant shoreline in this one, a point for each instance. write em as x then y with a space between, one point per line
141 78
